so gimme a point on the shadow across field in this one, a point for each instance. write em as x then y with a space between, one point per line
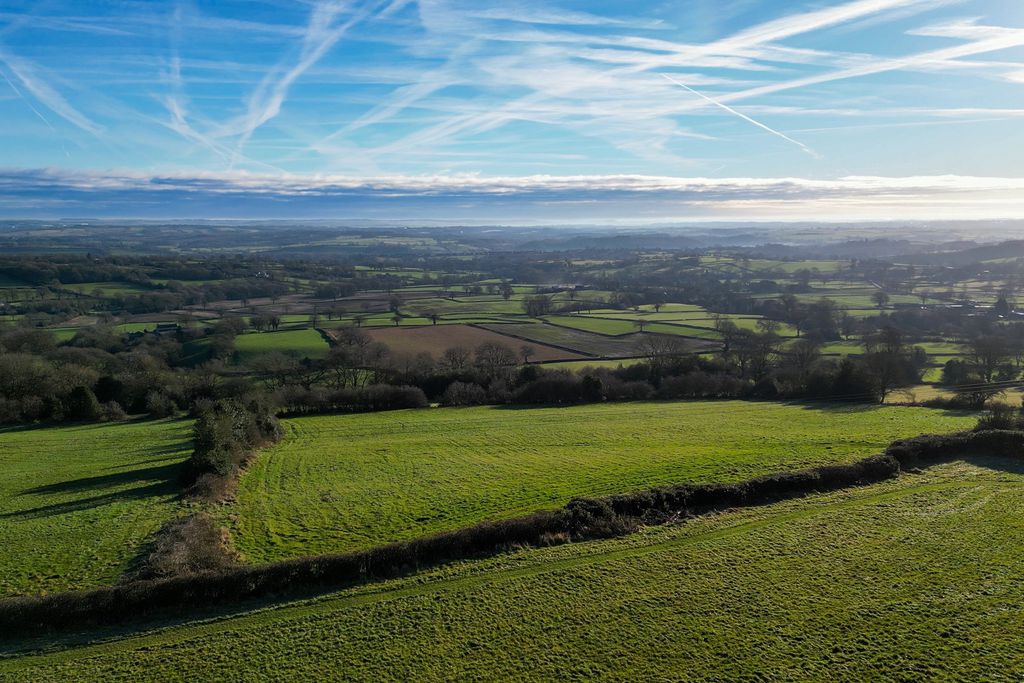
860 407
159 480
993 462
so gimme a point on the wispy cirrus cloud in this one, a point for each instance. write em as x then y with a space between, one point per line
32 79
370 87
328 23
570 74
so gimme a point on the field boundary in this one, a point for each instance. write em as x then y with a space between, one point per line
219 623
580 519
667 323
534 341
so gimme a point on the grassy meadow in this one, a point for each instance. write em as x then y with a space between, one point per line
915 579
305 343
78 503
346 482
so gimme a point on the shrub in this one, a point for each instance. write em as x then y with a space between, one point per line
81 404
111 411
585 518
225 433
159 404
556 389
615 390
463 394
387 397
1001 416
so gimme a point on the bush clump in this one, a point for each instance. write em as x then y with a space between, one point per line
1001 416
461 394
160 405
224 435
187 546
81 404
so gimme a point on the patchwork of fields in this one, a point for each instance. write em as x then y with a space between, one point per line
912 579
345 482
436 339
579 340
595 330
77 504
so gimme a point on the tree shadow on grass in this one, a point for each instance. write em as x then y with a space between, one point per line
166 472
182 448
994 463
156 481
860 407
88 426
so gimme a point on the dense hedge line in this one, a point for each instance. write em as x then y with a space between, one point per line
374 397
656 504
931 448
226 432
580 519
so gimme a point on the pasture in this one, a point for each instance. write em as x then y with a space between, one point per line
622 326
911 579
78 503
352 481
606 326
302 343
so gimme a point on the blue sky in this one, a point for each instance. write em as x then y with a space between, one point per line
513 111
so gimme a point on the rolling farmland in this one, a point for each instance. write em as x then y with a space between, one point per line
345 482
826 587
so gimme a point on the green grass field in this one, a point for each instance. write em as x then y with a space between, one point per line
63 334
352 481
78 503
628 325
108 288
916 579
138 327
578 365
684 330
596 325
301 343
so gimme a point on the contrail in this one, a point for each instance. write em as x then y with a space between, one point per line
25 100
743 116
34 111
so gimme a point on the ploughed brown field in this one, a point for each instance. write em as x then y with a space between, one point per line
435 339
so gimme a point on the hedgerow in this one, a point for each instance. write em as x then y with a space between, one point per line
580 519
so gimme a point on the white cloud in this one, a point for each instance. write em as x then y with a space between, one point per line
579 198
427 184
